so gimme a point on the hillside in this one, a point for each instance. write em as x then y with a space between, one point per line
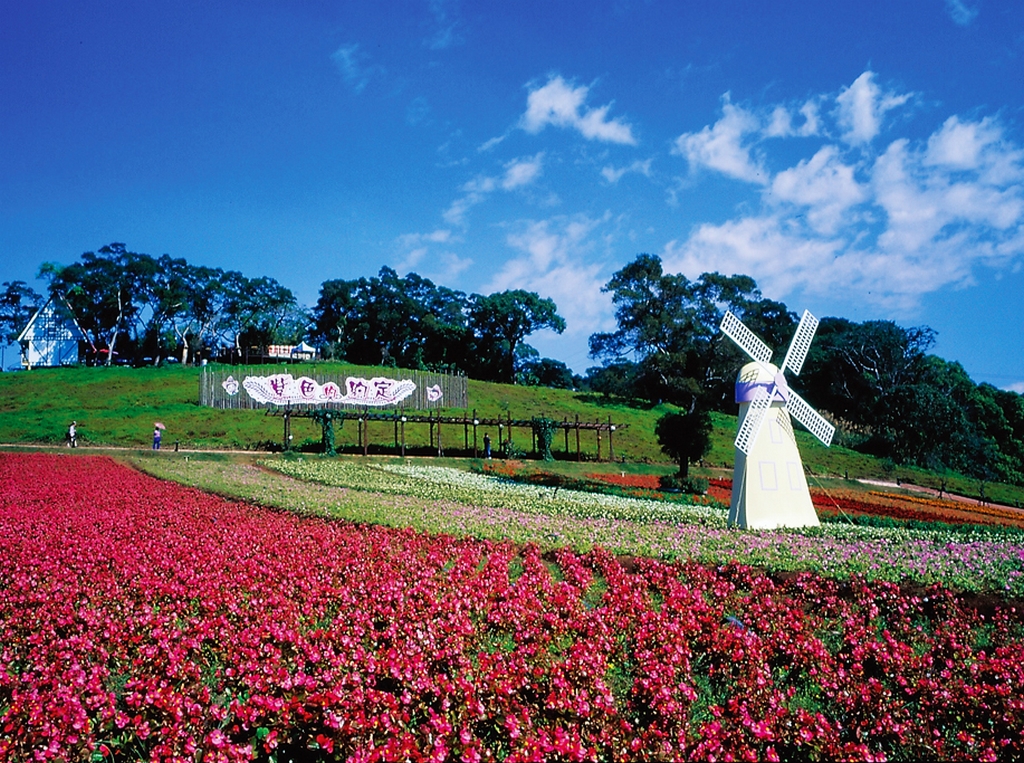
118 406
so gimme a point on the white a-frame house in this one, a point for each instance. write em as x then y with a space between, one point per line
52 336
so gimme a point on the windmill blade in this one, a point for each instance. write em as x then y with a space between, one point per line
748 341
801 343
747 435
810 418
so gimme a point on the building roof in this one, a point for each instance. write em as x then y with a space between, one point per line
54 320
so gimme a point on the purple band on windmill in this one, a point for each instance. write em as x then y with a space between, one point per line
746 391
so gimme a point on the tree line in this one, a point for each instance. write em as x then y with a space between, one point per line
887 394
135 308
878 382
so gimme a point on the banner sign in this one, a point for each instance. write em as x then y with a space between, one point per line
252 387
284 389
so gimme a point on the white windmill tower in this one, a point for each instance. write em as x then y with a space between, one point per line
769 488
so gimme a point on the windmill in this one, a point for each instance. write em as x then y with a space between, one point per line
769 488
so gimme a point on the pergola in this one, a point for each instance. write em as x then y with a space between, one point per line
470 425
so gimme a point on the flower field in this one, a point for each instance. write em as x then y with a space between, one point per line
143 620
873 503
492 507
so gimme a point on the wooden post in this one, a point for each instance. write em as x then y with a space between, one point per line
565 429
598 440
579 456
440 450
403 436
476 422
611 450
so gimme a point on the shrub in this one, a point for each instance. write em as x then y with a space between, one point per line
694 485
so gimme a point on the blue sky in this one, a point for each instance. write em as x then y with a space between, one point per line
861 159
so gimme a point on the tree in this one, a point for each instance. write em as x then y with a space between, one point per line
386 319
1001 415
617 379
441 323
853 369
912 407
105 290
668 326
18 302
685 437
198 299
547 372
332 314
500 322
256 310
163 295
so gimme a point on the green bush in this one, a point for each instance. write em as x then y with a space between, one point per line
691 485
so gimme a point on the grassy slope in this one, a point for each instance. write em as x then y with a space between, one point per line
118 406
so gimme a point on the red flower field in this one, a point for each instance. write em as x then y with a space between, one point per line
140 620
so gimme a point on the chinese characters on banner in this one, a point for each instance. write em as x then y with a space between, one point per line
284 389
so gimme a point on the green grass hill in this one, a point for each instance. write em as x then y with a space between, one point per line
118 406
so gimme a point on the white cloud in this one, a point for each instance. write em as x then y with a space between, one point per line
446 266
780 124
518 174
456 212
559 104
722 146
779 257
978 146
556 261
439 236
489 144
784 259
448 32
862 106
962 13
429 255
958 145
824 186
417 111
836 214
350 61
927 203
1017 387
613 175
921 216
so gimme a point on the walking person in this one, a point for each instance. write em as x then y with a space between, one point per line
487 446
157 428
73 435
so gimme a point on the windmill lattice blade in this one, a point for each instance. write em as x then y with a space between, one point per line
748 341
801 343
752 422
802 412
